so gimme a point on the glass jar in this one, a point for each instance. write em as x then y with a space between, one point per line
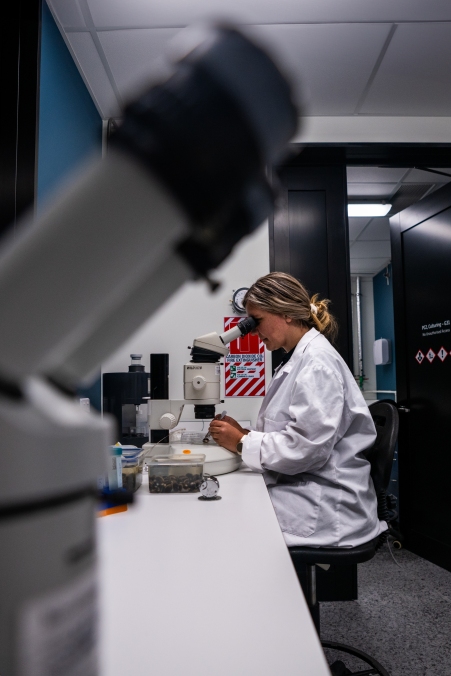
132 467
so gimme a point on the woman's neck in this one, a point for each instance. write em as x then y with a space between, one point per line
294 336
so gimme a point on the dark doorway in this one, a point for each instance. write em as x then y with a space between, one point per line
421 250
421 277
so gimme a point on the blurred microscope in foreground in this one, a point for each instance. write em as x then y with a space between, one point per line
184 181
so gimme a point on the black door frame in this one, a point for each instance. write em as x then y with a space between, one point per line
20 44
373 154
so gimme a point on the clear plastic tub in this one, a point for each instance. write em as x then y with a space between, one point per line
132 467
193 437
176 473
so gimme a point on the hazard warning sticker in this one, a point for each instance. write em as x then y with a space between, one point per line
419 356
442 354
430 355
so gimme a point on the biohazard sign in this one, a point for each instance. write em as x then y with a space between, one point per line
244 365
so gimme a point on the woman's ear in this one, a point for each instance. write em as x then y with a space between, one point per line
288 319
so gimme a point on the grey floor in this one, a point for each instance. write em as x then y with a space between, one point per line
402 616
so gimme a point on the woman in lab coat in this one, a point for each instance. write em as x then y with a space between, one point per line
313 425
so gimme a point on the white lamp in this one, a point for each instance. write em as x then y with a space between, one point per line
367 209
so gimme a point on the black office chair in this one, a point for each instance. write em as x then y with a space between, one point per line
380 455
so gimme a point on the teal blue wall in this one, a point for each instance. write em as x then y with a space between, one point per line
70 128
384 328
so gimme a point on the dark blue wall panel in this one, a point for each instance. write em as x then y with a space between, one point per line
70 128
384 328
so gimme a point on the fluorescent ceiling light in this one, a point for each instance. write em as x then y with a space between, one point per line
367 209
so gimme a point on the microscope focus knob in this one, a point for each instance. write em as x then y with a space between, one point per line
199 382
168 421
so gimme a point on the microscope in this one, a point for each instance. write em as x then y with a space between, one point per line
201 381
183 182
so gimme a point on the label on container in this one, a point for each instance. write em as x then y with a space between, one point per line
58 632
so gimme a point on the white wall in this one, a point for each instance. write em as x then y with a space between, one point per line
372 129
367 309
194 311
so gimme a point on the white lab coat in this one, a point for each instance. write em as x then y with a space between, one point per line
311 430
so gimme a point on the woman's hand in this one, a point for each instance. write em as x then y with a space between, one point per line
234 423
225 434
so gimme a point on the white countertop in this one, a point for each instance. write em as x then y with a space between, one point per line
192 587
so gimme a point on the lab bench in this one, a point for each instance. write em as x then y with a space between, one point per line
190 587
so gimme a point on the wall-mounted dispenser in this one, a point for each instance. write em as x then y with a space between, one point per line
382 351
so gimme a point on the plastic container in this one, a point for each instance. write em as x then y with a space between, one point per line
194 438
176 473
132 467
112 480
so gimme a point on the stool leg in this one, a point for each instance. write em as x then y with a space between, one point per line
312 601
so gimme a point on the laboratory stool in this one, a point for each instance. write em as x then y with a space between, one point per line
380 456
309 557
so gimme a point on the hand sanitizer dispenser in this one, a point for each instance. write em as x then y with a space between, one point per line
382 351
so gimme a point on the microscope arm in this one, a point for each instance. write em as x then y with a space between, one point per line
66 280
218 343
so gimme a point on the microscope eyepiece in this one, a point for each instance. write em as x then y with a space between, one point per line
247 325
244 327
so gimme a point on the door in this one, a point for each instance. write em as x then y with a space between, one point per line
421 251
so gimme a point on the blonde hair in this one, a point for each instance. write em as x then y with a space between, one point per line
282 294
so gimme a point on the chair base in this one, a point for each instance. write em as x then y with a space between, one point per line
376 668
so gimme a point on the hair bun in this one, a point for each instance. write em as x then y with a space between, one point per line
314 309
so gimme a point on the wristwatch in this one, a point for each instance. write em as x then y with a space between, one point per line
239 446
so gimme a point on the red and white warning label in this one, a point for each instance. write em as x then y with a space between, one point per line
244 365
419 356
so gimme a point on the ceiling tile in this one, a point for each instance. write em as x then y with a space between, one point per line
356 225
94 73
371 189
378 229
415 74
136 57
446 171
366 249
67 14
365 266
329 64
418 176
179 12
374 174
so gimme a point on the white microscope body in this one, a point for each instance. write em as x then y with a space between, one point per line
201 379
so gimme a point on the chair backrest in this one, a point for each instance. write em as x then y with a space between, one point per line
380 455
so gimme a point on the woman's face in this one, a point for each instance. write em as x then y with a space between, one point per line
274 330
